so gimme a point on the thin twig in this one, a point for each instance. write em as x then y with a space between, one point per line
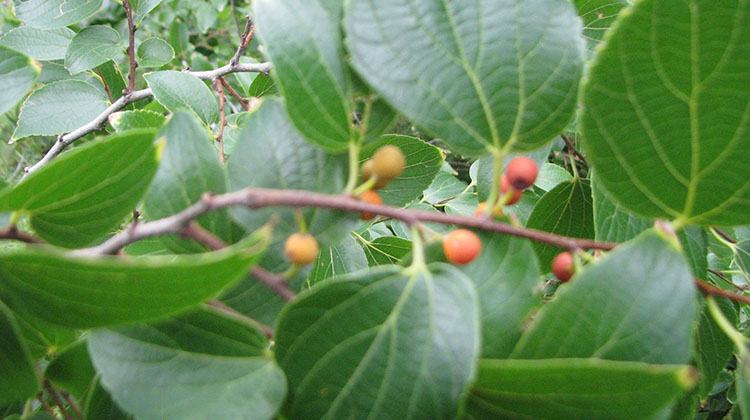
57 400
721 275
244 102
245 38
45 404
709 289
260 197
131 46
106 86
100 120
236 21
222 119
724 235
76 408
572 149
12 232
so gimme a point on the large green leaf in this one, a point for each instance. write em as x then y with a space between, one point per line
336 260
139 118
198 366
85 194
380 344
177 90
17 75
574 389
665 111
40 44
189 168
506 275
636 304
91 47
612 222
598 16
565 210
154 52
480 75
72 370
386 249
303 40
742 387
423 161
60 107
99 405
47 14
18 376
141 8
87 292
713 347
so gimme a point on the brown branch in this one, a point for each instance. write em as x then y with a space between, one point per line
275 282
11 232
131 47
57 400
244 102
724 235
222 119
106 86
45 404
722 276
709 289
76 408
572 149
247 36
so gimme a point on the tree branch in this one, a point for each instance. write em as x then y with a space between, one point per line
247 36
131 46
12 232
99 121
709 289
572 149
222 118
244 102
260 197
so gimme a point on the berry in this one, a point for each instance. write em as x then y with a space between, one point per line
521 172
461 246
367 174
371 197
562 266
388 162
505 187
301 248
480 210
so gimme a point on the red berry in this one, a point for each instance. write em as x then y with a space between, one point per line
522 172
461 246
371 197
562 266
505 187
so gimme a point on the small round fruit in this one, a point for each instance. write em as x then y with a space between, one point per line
367 174
562 266
301 248
388 162
505 187
522 172
371 197
461 246
482 207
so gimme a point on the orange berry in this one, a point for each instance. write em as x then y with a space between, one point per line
388 162
371 197
480 210
522 172
461 246
562 266
505 187
301 248
367 174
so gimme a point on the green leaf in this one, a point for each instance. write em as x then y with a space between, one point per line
336 260
423 161
91 47
480 80
60 107
72 370
565 210
83 292
189 168
482 172
506 275
40 44
574 389
345 345
198 366
307 52
84 194
18 376
636 304
205 15
444 187
177 90
179 38
271 153
112 80
713 347
46 14
663 116
154 52
139 118
99 404
386 250
598 16
17 75
742 387
262 85
695 247
612 222
42 338
141 8
742 256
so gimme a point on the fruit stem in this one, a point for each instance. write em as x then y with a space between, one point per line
497 171
365 117
291 272
354 148
367 185
574 168
721 239
300 219
739 340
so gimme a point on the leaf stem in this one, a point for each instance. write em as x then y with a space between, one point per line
418 260
494 199
740 341
354 148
